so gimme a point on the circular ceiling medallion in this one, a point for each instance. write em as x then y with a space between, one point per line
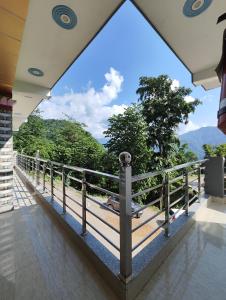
64 16
193 8
36 72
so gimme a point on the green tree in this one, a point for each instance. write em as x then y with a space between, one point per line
73 144
184 154
164 108
128 132
32 137
221 150
208 150
64 141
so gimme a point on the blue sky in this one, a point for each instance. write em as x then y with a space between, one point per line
105 77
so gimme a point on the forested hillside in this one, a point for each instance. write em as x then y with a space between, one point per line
205 135
64 141
146 129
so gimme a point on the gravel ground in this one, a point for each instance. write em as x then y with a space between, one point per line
110 218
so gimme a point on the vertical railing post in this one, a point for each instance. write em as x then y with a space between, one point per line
51 180
37 164
199 183
84 204
33 169
167 203
64 189
26 167
44 177
186 189
125 190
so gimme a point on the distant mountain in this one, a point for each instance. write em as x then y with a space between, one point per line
204 135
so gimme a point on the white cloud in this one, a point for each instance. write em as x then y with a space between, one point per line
175 84
189 99
90 106
188 127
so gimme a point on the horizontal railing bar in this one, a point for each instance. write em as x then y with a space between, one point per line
147 205
77 169
72 199
176 179
176 201
73 211
193 189
196 196
58 197
192 171
172 216
186 165
196 179
102 190
54 163
177 189
148 236
146 221
57 189
102 220
152 174
146 175
102 205
60 173
147 190
113 177
103 236
75 179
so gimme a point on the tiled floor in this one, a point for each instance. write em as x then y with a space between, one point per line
38 261
196 269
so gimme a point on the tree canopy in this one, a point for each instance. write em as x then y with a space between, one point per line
64 141
164 108
129 132
147 130
211 151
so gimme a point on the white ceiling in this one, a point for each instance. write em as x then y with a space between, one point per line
197 41
47 46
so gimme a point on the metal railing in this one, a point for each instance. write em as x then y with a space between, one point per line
173 191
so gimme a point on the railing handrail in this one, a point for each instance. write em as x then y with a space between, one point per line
143 176
73 168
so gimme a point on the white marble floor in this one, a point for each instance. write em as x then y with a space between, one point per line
196 269
37 259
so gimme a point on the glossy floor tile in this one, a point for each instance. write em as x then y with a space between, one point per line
38 261
196 269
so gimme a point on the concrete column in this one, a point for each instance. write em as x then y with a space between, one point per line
6 154
214 176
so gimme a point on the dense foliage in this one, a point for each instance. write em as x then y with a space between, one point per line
64 141
164 108
211 151
129 132
147 130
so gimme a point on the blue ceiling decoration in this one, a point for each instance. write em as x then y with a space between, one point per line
64 16
36 72
193 8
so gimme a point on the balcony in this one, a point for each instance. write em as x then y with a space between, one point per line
38 260
46 255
